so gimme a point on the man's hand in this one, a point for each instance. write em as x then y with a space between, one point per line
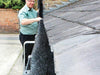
38 19
29 21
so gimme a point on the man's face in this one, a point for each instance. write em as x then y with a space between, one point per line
30 3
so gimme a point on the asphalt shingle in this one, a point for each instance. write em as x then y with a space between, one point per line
74 34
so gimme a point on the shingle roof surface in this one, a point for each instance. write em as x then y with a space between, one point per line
73 33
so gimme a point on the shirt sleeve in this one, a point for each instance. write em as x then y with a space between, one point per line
22 16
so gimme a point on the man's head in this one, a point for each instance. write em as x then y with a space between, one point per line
30 3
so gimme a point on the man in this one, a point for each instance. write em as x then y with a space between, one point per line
28 25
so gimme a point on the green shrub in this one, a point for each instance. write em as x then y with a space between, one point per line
14 4
1 4
7 3
16 7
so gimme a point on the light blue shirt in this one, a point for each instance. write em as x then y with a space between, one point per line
29 29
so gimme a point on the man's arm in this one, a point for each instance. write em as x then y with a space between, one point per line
29 21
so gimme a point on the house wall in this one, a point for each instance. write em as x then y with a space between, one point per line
8 21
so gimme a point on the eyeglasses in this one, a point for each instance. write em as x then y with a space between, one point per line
30 0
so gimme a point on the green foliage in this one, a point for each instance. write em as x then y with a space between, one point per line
16 7
7 3
14 4
1 3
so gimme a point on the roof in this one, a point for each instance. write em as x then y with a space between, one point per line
73 33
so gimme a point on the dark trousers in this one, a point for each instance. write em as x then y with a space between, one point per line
28 47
